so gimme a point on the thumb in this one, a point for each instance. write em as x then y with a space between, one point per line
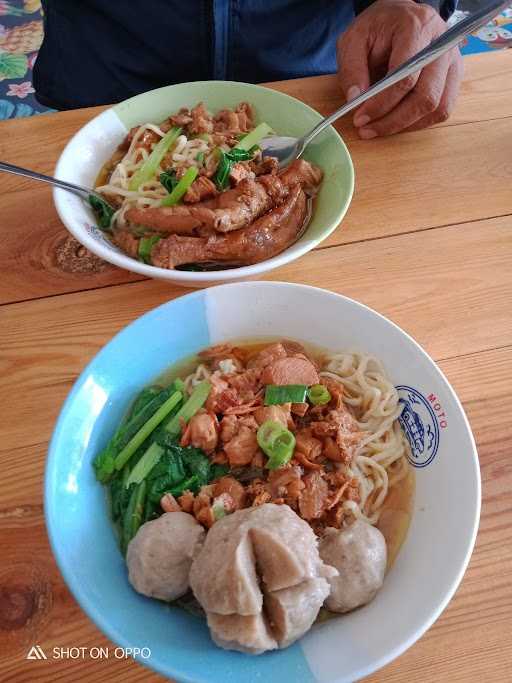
353 68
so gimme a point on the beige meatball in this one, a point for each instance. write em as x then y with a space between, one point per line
359 554
160 555
249 633
293 610
260 579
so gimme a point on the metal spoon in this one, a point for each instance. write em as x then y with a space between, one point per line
83 192
286 149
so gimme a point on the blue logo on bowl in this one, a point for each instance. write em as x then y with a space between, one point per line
420 425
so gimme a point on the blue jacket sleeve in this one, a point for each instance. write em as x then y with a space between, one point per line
444 7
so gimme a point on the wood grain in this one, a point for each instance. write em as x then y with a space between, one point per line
38 608
450 174
484 95
450 287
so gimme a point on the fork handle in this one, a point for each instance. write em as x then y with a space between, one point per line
82 192
437 47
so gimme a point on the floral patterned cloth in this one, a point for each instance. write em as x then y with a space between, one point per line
21 33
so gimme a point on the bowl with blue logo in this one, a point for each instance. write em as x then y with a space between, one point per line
93 145
176 643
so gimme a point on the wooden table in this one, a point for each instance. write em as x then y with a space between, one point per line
427 241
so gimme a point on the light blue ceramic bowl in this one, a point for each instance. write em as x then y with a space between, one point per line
431 561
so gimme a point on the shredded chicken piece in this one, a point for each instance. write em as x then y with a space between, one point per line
313 498
202 432
307 444
186 501
242 447
168 503
232 487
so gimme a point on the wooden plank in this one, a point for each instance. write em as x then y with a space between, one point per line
485 92
410 182
453 297
39 257
404 184
471 639
429 178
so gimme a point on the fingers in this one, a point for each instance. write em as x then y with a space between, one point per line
448 99
423 101
403 48
353 69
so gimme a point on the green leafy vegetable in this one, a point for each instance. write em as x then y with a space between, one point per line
226 161
237 154
254 137
277 442
218 471
119 494
179 469
145 405
170 430
150 166
169 180
319 395
197 464
133 514
103 211
183 184
200 157
146 244
145 397
221 177
291 393
146 429
166 474
145 464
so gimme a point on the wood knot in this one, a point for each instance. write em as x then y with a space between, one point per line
73 257
25 598
18 604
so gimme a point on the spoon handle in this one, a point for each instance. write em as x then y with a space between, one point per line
82 192
445 42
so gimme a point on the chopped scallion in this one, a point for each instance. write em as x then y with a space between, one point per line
290 393
319 395
277 442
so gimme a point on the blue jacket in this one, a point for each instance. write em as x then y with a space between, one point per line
103 51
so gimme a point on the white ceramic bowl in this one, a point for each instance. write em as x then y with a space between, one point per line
428 568
89 149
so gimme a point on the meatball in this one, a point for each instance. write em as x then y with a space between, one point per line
359 554
160 555
260 579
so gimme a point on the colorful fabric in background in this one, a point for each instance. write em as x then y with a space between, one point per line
21 33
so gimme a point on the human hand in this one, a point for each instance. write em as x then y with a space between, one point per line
379 40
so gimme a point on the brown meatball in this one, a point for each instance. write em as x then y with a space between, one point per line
359 554
160 555
260 579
